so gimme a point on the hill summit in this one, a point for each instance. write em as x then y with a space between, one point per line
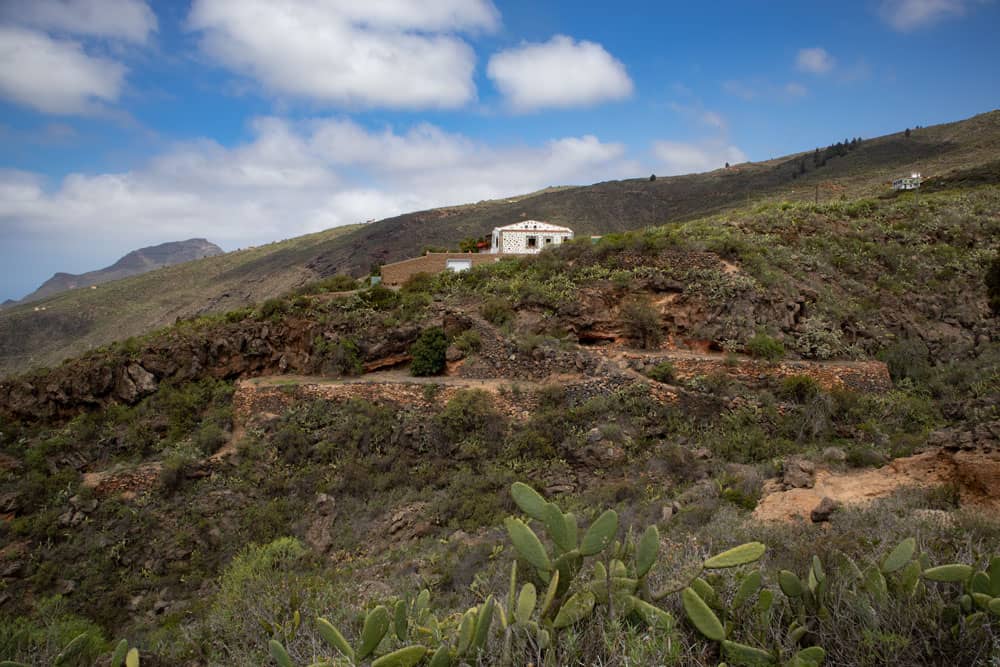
134 263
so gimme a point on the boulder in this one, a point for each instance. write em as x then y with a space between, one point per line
798 474
822 512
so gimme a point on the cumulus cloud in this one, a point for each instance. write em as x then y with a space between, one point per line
906 15
686 158
394 54
130 20
814 61
55 76
290 179
558 73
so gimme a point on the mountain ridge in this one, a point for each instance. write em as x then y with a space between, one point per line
133 263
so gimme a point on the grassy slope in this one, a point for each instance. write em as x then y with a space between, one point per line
77 321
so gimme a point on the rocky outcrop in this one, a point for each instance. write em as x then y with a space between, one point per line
974 472
227 350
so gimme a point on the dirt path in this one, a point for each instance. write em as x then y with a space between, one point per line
401 376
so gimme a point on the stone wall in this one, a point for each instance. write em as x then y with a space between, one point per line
866 376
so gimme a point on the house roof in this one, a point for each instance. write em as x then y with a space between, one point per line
532 226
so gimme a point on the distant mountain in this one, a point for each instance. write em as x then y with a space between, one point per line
135 263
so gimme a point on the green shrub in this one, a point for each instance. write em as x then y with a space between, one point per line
273 309
259 594
641 323
908 358
470 418
239 314
357 428
174 470
662 372
428 352
39 639
763 346
497 311
336 283
379 297
799 388
338 357
468 341
209 437
418 282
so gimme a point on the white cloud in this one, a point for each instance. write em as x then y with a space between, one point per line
906 15
55 76
290 179
558 73
436 15
814 61
688 158
130 20
394 54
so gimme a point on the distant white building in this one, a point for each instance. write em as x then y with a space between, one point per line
911 182
527 237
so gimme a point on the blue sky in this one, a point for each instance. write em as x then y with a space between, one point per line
125 123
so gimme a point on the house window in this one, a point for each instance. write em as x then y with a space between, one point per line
532 242
548 240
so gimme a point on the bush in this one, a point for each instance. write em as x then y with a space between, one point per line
38 640
273 309
642 323
662 372
908 359
173 472
239 314
818 339
428 352
469 417
378 297
262 589
418 282
468 341
209 438
337 283
497 311
340 357
799 388
763 346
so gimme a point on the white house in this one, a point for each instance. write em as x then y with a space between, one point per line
527 237
911 183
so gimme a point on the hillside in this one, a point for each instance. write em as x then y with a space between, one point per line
823 379
134 263
76 322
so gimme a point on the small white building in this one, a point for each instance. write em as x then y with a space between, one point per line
912 182
527 237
